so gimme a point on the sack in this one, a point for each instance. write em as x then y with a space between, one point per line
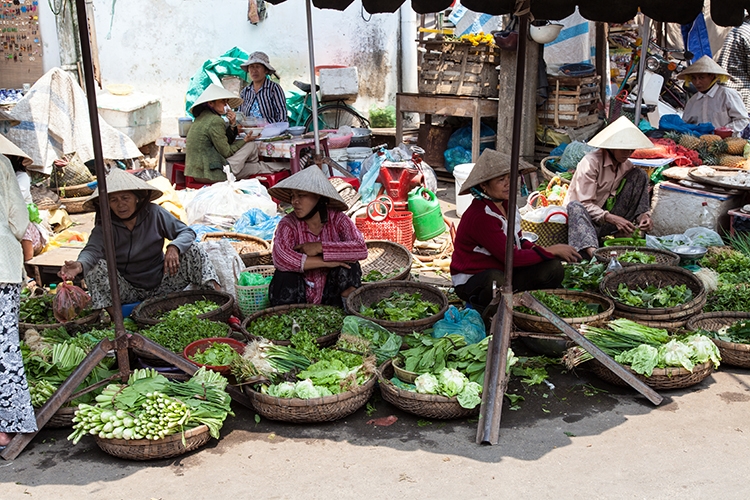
227 201
552 229
226 262
68 303
467 323
573 154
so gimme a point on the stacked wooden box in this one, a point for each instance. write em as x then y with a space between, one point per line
458 68
572 101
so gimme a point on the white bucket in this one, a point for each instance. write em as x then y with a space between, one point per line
461 173
339 156
354 159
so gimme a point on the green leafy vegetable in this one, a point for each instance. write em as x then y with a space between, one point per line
218 354
564 308
636 257
401 307
653 296
319 321
192 309
583 276
176 333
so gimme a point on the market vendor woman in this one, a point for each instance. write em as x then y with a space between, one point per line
139 229
479 246
608 195
316 247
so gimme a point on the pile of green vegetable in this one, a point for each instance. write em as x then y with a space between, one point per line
738 332
152 407
217 354
644 348
364 336
175 333
636 257
377 275
653 296
733 291
401 307
191 309
38 311
585 276
562 307
318 321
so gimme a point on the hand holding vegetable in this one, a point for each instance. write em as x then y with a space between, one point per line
645 224
623 225
70 270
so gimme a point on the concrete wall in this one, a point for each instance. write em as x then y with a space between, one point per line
156 46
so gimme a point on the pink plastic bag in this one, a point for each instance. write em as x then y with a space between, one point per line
69 301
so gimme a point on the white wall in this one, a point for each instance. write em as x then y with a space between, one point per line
157 45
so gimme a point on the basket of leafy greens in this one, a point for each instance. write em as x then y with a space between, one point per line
177 333
631 256
730 331
36 313
278 324
401 307
205 304
585 276
651 354
215 354
574 307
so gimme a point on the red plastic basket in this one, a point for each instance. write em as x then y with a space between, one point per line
397 227
203 344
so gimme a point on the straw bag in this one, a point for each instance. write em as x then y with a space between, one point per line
73 173
549 232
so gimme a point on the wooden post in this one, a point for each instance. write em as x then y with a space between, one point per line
602 54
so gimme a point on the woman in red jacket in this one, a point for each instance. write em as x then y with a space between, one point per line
479 246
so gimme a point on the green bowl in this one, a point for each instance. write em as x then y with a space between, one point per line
625 242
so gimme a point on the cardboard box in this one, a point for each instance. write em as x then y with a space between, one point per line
338 83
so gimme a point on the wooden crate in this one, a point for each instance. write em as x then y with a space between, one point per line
572 102
459 68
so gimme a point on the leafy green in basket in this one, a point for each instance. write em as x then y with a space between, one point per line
218 354
562 307
319 321
653 296
636 257
401 307
193 309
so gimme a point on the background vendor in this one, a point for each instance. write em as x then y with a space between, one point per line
263 100
212 143
713 103
479 247
608 194
316 247
139 229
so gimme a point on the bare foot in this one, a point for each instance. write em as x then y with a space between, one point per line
5 438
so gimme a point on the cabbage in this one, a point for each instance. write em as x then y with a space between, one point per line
512 360
675 353
426 383
469 397
451 381
704 349
282 390
306 390
642 359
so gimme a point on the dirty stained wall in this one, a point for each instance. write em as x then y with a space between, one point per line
156 46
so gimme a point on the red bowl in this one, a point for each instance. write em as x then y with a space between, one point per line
203 344
723 132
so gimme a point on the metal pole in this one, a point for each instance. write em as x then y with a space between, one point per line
313 92
645 36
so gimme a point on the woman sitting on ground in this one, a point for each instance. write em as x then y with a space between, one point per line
317 246
139 229
608 195
479 247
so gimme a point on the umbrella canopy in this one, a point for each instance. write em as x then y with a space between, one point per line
723 12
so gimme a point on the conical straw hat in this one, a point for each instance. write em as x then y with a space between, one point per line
311 180
5 117
492 164
621 134
8 148
703 65
215 92
119 180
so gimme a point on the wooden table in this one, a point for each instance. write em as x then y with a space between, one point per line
462 106
50 262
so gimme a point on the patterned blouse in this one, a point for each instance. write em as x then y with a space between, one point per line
341 240
269 99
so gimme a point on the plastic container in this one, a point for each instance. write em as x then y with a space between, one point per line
183 125
427 217
354 159
461 173
614 264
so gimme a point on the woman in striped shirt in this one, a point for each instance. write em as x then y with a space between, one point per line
316 247
263 101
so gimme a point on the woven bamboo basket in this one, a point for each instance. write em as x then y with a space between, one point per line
549 174
663 257
147 449
324 341
75 191
659 276
70 325
62 418
671 377
732 353
423 405
370 293
147 313
387 257
74 205
539 324
253 251
301 411
546 344
671 325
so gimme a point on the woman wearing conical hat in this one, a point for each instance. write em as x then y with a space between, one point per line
212 144
713 103
479 247
139 230
608 194
316 248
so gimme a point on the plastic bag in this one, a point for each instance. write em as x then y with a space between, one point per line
573 154
467 323
226 261
256 222
253 279
229 200
540 214
368 188
699 236
384 344
69 301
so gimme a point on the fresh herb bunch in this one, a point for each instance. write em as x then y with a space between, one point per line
584 276
636 257
562 307
729 297
401 307
725 260
192 309
176 333
653 296
316 320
